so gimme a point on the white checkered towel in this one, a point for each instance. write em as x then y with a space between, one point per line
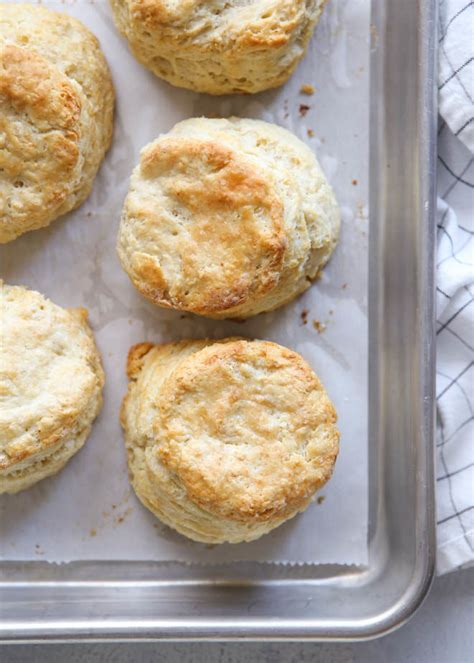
455 287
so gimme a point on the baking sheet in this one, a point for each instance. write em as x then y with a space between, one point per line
88 510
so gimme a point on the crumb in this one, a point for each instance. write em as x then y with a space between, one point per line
310 132
114 506
319 326
183 316
307 89
331 312
320 499
344 286
355 182
304 316
93 532
37 545
361 211
105 514
304 109
211 546
286 116
374 36
89 214
119 519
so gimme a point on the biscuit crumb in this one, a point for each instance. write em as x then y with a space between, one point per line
307 89
321 499
304 316
374 36
120 518
304 109
355 182
361 211
310 133
331 312
93 532
319 326
344 286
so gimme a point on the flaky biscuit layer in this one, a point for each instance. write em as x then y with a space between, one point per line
51 382
56 116
227 218
226 440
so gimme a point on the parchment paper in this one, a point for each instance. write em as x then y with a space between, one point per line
88 510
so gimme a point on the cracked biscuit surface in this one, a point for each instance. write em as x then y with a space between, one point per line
217 46
227 218
226 439
51 382
56 116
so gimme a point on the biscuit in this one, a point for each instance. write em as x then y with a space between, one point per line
226 440
51 383
56 116
219 47
226 218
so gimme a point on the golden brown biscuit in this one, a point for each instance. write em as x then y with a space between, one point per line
226 440
226 218
215 46
51 383
56 116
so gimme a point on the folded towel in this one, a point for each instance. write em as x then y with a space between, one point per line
455 287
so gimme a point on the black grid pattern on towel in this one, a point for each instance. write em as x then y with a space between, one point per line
458 250
459 71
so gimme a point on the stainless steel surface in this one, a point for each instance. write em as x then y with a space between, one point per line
250 601
441 632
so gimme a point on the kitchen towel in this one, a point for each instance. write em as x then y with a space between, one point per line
455 287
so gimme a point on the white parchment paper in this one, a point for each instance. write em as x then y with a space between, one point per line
88 510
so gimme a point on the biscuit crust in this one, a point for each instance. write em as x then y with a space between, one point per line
56 116
219 47
51 382
226 440
226 218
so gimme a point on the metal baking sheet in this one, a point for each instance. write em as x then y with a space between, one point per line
126 600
